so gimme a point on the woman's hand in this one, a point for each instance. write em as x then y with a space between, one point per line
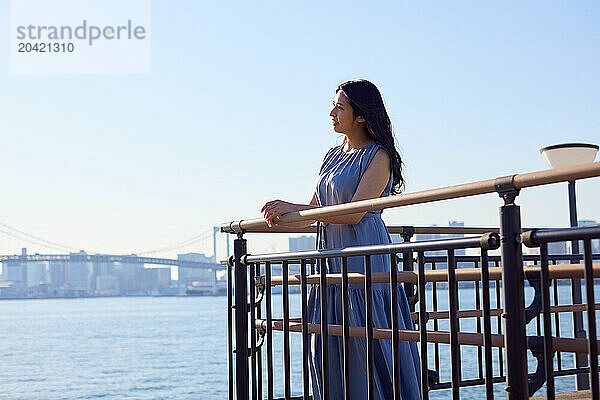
274 209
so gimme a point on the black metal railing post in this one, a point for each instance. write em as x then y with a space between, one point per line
324 329
548 350
408 265
230 309
345 329
394 314
591 315
487 325
513 291
241 319
580 359
305 338
269 335
455 361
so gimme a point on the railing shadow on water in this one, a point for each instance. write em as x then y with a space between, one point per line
501 336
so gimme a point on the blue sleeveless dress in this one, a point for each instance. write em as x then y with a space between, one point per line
338 180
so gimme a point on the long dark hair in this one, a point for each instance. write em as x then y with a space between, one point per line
365 99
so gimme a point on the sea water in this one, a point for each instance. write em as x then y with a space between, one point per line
174 348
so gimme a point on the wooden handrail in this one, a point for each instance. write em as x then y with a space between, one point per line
519 181
394 229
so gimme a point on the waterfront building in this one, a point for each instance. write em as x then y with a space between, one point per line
443 253
595 242
186 276
127 275
438 236
79 272
107 285
36 273
57 273
396 238
419 237
162 277
100 268
14 272
149 279
457 224
302 243
556 248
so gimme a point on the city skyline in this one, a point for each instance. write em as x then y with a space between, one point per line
72 278
82 275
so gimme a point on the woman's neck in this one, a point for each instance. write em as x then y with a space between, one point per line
357 140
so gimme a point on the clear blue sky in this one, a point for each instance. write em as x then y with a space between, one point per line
236 112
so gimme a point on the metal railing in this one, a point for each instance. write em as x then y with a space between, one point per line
507 272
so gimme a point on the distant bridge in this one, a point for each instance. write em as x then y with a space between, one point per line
106 258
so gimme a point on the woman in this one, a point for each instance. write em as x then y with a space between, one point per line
365 166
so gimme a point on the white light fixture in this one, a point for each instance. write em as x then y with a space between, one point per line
567 154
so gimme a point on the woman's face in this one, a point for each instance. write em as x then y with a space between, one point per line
342 114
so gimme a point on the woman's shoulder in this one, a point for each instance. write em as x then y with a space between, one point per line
376 145
373 148
380 156
379 150
377 158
